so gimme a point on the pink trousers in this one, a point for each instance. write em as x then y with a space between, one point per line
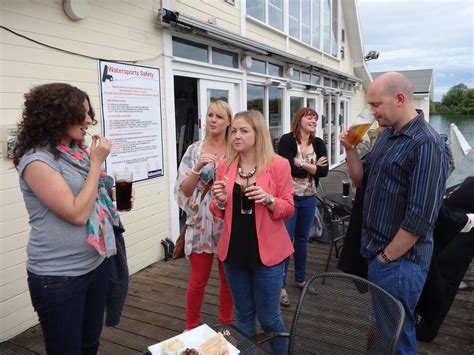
201 265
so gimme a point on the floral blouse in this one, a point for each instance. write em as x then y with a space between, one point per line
305 186
204 229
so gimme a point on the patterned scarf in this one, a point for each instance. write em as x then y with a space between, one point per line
103 216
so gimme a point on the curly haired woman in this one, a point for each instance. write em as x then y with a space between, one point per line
72 216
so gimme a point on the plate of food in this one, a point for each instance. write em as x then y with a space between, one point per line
202 340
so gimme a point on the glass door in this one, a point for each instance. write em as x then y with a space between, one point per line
211 91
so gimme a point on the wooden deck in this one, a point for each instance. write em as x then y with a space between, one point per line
155 310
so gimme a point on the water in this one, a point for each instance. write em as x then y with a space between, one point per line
465 123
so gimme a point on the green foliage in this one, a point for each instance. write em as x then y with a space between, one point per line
458 99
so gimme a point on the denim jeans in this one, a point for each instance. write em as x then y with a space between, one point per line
299 226
256 294
71 309
404 280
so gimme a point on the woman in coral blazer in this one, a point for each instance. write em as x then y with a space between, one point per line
254 242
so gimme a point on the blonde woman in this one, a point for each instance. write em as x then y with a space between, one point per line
254 242
195 176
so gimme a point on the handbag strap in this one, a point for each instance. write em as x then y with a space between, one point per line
206 189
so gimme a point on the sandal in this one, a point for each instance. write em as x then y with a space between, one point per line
284 300
300 285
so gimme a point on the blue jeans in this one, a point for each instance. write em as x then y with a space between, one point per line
256 294
299 226
404 280
71 309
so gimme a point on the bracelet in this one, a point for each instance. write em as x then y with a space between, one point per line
196 172
222 208
384 257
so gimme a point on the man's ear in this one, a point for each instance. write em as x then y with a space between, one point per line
400 98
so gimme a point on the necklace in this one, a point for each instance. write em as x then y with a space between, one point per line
246 175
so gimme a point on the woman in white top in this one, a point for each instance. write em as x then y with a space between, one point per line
192 192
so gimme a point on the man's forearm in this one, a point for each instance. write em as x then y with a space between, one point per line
400 244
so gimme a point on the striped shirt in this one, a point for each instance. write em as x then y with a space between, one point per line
406 176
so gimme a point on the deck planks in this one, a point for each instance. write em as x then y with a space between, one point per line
155 310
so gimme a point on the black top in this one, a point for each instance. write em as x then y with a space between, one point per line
288 148
243 248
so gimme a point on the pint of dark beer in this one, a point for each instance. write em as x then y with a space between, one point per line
123 190
246 205
346 188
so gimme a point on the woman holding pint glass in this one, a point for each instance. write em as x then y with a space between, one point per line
72 216
192 192
307 156
253 193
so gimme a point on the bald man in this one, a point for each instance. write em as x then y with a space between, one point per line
406 174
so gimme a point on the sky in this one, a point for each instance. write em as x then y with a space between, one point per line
421 34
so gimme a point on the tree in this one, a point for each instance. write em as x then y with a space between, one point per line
467 103
454 98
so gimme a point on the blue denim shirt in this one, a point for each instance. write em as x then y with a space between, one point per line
406 176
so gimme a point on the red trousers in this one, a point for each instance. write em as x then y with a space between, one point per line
201 265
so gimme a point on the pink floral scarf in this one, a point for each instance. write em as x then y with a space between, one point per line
103 216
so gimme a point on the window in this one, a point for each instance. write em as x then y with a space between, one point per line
315 31
305 77
306 21
303 21
327 82
296 75
275 70
255 97
327 26
256 8
334 16
190 50
296 103
258 66
267 11
225 58
330 27
294 19
275 13
200 52
315 79
275 114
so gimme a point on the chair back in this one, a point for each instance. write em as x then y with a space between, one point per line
333 228
344 314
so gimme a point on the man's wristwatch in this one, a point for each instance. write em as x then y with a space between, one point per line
269 200
384 257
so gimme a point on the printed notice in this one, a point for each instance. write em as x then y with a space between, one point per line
131 111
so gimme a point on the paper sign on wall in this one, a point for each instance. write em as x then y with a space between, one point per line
131 112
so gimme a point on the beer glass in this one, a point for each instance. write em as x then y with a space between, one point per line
123 190
246 205
346 188
359 127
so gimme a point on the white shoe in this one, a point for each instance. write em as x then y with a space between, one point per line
470 223
462 285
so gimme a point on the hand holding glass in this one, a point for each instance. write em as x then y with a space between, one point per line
359 127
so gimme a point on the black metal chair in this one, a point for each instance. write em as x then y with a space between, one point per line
344 314
333 229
